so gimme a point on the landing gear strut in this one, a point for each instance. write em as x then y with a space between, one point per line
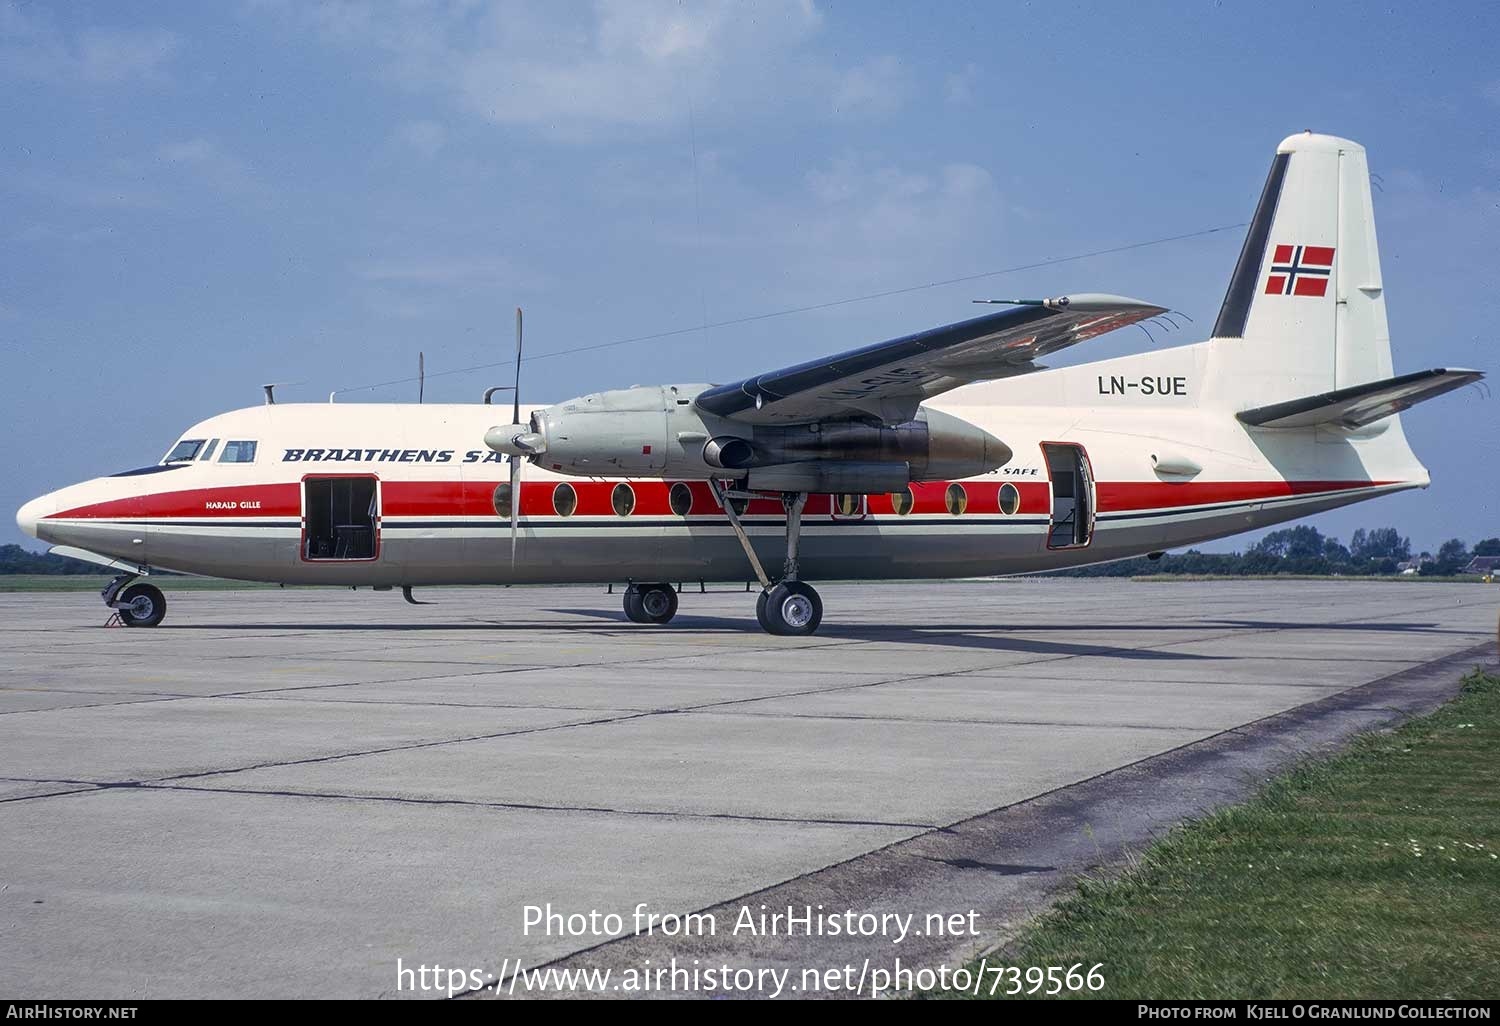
138 604
791 607
650 603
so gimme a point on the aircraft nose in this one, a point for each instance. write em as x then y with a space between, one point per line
30 514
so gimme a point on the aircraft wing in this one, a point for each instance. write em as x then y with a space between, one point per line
889 380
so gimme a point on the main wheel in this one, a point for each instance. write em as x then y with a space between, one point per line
141 605
650 603
790 609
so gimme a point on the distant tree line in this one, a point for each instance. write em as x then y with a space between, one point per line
16 560
1306 550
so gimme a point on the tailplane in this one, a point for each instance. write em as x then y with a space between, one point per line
1360 405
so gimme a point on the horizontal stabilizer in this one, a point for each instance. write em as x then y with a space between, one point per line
1359 405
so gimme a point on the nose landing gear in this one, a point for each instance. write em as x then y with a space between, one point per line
138 604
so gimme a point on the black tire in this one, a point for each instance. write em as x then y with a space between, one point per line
142 605
792 609
760 610
633 611
650 603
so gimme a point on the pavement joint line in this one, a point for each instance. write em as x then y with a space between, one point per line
521 806
948 720
1442 662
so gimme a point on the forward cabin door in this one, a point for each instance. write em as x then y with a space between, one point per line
340 518
1072 524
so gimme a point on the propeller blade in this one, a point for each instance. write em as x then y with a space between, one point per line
515 409
515 506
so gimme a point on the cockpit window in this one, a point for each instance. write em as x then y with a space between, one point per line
238 452
184 451
208 450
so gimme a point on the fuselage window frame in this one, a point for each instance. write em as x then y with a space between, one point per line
956 499
680 498
564 499
622 499
1010 499
501 500
173 456
244 450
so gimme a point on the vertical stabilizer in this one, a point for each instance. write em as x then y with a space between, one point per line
1305 309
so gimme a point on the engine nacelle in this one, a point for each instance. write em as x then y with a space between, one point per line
656 431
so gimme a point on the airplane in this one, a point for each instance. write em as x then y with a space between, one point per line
946 453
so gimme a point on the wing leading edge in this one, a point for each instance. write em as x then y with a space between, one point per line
889 380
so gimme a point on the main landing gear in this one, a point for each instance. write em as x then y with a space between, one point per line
791 607
137 604
650 603
788 608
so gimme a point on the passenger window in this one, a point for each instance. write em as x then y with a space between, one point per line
238 452
184 451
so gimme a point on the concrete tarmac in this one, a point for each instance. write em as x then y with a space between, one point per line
283 793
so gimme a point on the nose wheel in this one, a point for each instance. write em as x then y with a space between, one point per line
139 605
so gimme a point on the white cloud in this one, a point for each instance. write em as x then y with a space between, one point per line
856 223
34 48
576 72
877 86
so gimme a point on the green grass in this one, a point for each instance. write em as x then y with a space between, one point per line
1372 874
1407 578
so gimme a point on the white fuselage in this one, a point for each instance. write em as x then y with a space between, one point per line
1166 464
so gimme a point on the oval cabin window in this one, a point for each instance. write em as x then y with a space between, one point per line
501 500
1010 498
623 499
564 500
956 499
848 505
902 501
681 499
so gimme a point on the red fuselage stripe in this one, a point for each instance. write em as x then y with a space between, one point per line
596 498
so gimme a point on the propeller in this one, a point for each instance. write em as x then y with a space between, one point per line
516 441
515 457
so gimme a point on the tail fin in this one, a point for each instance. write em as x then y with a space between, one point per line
1306 301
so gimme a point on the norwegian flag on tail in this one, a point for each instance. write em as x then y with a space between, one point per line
1300 271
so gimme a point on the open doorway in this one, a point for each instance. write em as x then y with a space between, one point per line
1072 495
340 518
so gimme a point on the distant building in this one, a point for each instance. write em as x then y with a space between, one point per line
1488 566
1413 566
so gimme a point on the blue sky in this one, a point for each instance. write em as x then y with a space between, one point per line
198 198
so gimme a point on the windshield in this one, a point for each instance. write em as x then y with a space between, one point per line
184 451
